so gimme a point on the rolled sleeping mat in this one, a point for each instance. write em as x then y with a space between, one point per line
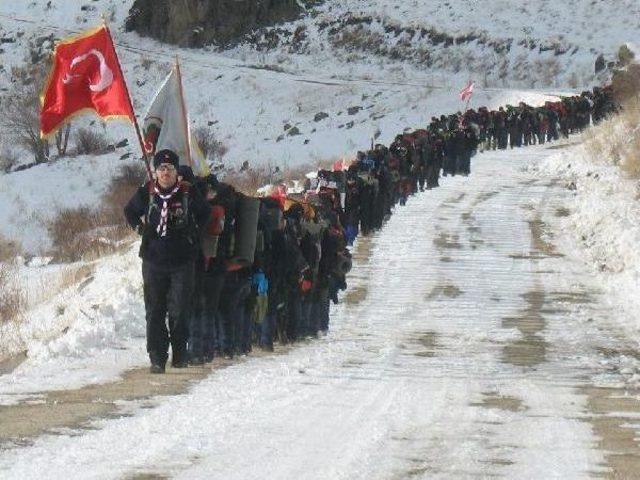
271 217
246 229
341 181
213 230
210 245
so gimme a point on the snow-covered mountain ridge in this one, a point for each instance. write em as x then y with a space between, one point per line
541 44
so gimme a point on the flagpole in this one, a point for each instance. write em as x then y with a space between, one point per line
469 85
184 113
135 119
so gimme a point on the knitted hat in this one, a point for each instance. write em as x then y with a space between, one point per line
166 156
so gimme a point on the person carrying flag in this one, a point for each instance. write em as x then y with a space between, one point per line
169 214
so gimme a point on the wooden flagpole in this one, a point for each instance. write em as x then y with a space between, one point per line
145 156
184 113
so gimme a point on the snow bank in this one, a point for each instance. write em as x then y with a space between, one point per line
89 333
602 222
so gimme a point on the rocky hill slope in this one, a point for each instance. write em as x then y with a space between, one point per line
194 23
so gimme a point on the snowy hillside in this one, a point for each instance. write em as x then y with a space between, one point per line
314 108
500 43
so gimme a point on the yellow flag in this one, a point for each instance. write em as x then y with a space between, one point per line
198 160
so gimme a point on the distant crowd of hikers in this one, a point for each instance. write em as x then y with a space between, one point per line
224 271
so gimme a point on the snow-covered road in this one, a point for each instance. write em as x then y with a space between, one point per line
467 346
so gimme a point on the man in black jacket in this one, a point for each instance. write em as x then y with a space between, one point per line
168 213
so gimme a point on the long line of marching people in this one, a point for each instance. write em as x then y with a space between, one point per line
224 272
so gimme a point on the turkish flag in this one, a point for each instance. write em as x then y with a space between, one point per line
85 75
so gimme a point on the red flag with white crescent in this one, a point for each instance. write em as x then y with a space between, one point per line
85 75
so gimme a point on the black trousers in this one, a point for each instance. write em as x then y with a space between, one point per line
167 292
236 319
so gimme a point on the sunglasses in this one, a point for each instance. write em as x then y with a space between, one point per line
165 167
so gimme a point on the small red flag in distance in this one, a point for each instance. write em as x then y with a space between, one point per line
467 91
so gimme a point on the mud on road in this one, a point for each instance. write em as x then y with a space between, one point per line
76 409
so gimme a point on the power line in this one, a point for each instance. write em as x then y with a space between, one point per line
185 59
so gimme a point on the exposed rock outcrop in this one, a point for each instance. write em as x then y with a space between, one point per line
194 23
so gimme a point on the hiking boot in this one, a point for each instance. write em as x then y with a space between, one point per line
179 359
197 361
157 362
155 368
179 364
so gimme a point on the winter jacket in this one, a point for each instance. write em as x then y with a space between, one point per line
188 211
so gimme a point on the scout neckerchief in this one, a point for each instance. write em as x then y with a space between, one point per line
164 213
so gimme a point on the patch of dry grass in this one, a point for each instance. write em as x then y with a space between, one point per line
84 233
12 298
253 178
249 180
626 83
9 249
617 139
80 234
47 287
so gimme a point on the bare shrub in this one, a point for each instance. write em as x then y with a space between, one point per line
631 162
593 140
21 109
83 233
12 299
120 190
605 143
617 139
357 39
212 148
43 289
68 232
630 118
73 274
250 179
625 55
298 172
146 63
62 140
8 160
91 142
626 83
9 249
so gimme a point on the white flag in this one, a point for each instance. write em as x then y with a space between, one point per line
165 123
